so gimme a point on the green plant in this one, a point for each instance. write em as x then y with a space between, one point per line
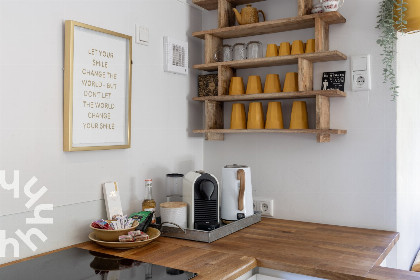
390 22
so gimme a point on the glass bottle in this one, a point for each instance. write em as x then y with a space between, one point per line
149 204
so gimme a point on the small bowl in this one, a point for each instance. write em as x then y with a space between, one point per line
112 235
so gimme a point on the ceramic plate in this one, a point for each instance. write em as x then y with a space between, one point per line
152 232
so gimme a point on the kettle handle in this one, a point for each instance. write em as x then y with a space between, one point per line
241 178
260 11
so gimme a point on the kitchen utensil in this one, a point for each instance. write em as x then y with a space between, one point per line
274 116
297 47
201 193
236 86
174 212
111 235
255 116
237 202
317 9
272 50
284 49
254 50
225 53
331 5
238 117
310 46
299 117
254 85
272 83
174 187
239 51
248 15
291 82
152 232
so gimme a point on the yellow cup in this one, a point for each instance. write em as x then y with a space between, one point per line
236 86
274 116
284 49
297 47
238 118
272 83
291 82
254 85
271 50
310 46
299 117
255 116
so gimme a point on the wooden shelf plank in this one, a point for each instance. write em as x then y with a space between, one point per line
273 26
212 4
298 131
274 61
273 96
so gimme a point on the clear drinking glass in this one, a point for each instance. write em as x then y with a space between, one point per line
239 51
254 50
223 54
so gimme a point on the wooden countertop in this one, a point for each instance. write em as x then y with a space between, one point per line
325 251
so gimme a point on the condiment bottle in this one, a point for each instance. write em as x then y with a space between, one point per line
149 204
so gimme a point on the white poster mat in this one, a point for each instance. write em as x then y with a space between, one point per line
100 89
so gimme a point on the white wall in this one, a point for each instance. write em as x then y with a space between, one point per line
408 150
350 181
31 114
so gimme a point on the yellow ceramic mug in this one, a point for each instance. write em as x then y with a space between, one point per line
272 83
297 47
255 116
254 85
291 82
238 118
271 50
299 117
274 116
284 49
236 86
310 46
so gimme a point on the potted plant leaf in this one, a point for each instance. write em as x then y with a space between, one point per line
395 16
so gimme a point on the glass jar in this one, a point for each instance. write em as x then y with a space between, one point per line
239 51
254 49
223 54
174 187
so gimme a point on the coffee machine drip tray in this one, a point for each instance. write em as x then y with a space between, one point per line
81 264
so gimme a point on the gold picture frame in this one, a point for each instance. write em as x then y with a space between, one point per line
97 116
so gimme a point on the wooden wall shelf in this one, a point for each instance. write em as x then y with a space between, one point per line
273 96
298 131
273 26
213 41
274 61
212 4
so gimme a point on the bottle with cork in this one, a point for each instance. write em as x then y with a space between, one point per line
149 204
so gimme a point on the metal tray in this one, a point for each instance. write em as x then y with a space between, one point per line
210 236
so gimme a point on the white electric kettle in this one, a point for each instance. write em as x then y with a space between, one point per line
236 198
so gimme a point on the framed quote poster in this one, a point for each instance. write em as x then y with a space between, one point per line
97 88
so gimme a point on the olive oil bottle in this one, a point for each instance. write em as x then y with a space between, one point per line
149 204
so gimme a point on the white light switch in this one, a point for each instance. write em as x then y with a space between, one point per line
142 35
360 73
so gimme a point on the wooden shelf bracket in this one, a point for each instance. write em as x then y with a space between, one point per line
214 119
323 117
322 42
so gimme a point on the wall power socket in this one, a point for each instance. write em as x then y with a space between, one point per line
265 206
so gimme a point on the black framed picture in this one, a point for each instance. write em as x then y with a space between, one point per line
333 80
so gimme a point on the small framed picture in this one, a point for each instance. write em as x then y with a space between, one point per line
97 88
333 80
